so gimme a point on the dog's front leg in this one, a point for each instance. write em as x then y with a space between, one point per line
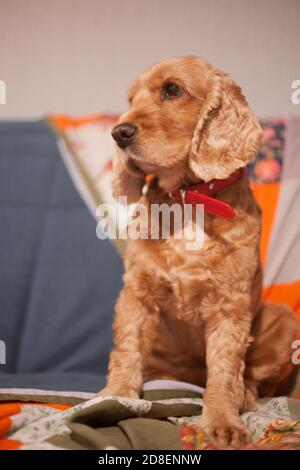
227 338
133 318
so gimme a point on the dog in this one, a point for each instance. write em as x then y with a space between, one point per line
196 316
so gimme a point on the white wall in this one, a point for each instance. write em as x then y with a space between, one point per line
78 56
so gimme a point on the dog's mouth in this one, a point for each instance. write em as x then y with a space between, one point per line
141 167
133 167
138 166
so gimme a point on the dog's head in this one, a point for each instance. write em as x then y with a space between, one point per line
187 122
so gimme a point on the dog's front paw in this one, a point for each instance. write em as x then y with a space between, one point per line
224 429
118 392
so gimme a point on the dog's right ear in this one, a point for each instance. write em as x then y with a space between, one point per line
126 179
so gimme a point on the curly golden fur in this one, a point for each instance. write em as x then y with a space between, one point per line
186 315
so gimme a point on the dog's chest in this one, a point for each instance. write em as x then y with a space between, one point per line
185 269
188 253
192 243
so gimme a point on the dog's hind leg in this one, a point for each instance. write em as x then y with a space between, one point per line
269 357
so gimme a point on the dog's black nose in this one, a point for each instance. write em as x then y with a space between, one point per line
124 134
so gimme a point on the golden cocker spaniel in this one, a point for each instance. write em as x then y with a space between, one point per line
195 316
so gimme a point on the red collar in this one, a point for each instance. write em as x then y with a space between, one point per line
202 194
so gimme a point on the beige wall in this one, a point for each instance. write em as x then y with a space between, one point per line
78 56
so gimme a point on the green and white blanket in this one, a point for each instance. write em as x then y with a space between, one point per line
163 419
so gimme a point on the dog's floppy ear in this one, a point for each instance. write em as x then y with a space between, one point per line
126 181
227 134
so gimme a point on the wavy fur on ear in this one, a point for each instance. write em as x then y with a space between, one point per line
125 181
227 135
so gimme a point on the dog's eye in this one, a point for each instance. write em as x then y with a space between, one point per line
171 91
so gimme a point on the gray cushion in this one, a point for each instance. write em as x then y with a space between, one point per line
58 282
